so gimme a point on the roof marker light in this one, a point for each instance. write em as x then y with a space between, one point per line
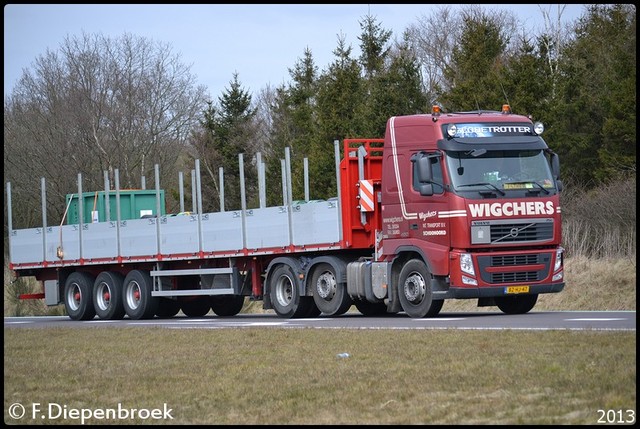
435 112
538 128
506 109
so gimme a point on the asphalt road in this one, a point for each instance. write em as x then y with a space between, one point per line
533 321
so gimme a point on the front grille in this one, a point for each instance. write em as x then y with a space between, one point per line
521 232
510 260
526 276
522 275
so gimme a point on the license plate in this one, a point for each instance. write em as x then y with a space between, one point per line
517 289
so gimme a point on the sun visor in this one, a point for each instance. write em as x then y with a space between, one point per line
492 143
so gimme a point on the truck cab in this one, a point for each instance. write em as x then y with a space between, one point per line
470 209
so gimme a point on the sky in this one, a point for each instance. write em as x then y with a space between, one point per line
259 42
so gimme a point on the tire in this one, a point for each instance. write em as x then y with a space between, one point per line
313 311
285 296
517 304
414 289
136 295
78 299
167 308
330 297
226 305
195 306
370 308
436 306
107 295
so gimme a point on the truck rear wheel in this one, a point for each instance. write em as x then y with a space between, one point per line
107 295
314 311
330 297
517 304
414 289
285 296
137 299
226 305
78 299
370 308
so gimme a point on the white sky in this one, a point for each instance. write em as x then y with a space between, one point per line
258 41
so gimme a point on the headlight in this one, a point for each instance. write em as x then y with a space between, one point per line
558 264
466 264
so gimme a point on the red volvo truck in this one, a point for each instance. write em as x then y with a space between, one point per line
447 206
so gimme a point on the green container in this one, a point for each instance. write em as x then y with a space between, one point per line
134 204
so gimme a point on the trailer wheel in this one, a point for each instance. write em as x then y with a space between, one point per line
285 296
167 308
517 304
137 299
77 296
415 289
370 308
227 305
107 295
195 306
330 297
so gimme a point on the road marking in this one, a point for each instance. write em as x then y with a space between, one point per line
587 319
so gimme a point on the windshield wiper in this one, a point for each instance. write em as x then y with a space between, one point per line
530 181
500 191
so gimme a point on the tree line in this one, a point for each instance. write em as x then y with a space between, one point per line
104 104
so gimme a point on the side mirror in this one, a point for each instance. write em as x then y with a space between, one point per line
555 165
424 171
426 189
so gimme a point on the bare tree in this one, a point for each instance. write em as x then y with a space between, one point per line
557 36
99 104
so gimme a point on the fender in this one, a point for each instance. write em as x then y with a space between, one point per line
295 264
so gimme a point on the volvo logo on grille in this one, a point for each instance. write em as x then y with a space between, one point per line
514 232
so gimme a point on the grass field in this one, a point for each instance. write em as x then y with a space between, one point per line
292 376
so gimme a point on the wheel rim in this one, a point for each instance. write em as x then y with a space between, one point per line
284 291
326 286
103 296
133 295
415 288
74 297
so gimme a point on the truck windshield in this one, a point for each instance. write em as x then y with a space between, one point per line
499 170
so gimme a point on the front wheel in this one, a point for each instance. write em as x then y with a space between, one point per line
436 306
414 289
517 304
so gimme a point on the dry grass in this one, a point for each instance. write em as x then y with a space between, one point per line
292 376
